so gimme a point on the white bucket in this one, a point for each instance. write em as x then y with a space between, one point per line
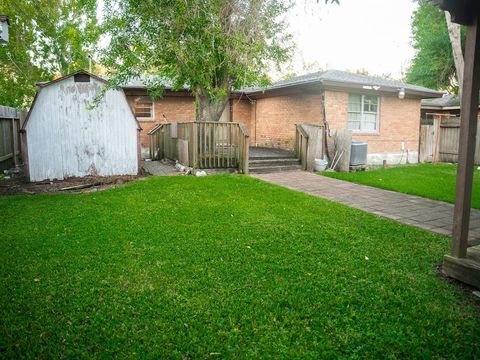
320 165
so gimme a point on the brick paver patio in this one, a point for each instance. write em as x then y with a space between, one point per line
436 216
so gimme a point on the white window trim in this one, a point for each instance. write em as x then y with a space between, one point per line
141 118
362 131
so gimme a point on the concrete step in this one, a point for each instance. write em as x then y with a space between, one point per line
273 162
273 168
261 157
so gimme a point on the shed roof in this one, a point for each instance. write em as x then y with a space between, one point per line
42 85
46 83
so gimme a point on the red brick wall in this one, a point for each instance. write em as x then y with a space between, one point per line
179 108
271 121
399 121
242 113
276 118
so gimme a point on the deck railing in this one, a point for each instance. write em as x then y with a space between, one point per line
201 145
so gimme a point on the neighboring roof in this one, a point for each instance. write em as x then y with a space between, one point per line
448 100
346 79
4 18
141 82
44 84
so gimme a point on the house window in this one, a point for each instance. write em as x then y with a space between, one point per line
143 107
363 112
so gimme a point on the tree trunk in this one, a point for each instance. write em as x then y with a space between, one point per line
456 41
209 109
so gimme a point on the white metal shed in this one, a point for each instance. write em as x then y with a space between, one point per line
63 137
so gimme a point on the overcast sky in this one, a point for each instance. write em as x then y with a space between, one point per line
359 34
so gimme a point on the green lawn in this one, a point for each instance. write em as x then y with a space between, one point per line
433 181
222 267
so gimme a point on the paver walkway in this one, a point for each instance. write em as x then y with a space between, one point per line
436 216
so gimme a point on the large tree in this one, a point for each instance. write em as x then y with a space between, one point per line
210 46
434 65
48 38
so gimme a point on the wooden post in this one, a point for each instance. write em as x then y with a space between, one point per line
436 139
468 127
246 155
195 145
15 142
343 147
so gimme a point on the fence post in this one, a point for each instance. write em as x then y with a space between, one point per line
194 145
14 142
246 155
436 139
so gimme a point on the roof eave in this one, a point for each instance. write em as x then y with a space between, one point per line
47 83
382 89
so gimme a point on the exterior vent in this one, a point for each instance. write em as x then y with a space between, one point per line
80 77
359 153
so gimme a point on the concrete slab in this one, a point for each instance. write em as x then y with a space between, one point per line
159 168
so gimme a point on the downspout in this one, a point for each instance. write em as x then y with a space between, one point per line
254 103
326 126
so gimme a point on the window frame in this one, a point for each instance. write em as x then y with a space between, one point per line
152 111
362 112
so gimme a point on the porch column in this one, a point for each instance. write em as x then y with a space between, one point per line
468 129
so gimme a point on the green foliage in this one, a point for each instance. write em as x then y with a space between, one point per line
224 267
433 64
48 38
433 181
211 46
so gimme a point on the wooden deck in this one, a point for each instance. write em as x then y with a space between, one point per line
465 269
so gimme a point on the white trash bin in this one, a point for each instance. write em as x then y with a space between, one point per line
320 165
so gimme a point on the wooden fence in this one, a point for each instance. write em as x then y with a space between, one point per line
9 137
201 145
309 144
439 140
301 145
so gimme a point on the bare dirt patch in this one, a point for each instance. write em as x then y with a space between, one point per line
17 185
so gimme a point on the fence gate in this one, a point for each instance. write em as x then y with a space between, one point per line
9 137
439 139
427 141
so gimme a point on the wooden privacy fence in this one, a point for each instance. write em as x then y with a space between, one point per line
9 137
439 141
301 145
201 145
309 144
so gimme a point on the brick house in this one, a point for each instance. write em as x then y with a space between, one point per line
383 113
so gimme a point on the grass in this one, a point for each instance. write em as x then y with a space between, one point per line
221 267
432 181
